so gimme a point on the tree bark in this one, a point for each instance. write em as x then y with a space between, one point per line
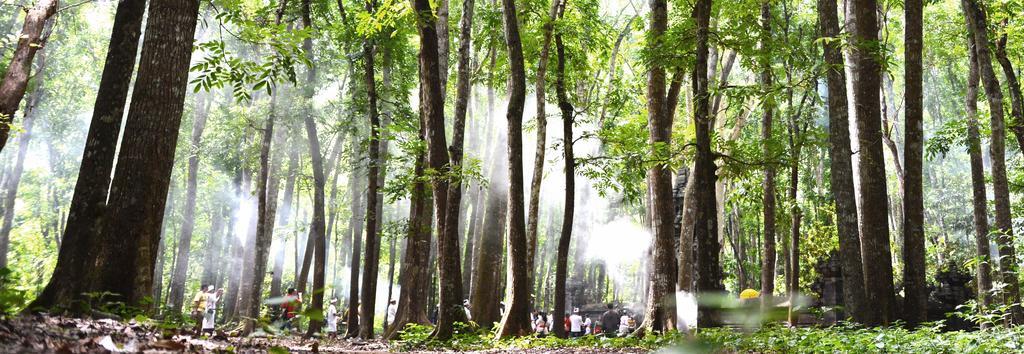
997 150
357 244
14 179
915 307
15 81
372 260
489 248
1013 86
432 107
709 271
176 297
542 123
978 189
768 202
284 215
72 274
874 226
146 157
570 185
660 314
516 321
842 165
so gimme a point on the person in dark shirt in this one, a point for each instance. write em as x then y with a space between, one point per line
610 321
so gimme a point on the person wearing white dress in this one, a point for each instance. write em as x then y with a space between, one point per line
210 314
332 319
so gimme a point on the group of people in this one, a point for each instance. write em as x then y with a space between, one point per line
206 300
611 323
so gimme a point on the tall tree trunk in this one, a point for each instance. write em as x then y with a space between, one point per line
432 107
178 275
316 228
146 157
915 307
516 321
709 271
980 201
570 185
489 248
768 203
283 219
72 274
997 150
14 179
874 226
451 227
15 81
542 123
372 260
355 191
660 314
842 165
266 191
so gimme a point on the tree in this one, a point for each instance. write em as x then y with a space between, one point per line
14 179
978 190
516 321
71 275
562 260
976 20
915 307
660 314
177 292
372 260
874 225
709 272
139 187
432 107
15 80
542 123
842 166
768 203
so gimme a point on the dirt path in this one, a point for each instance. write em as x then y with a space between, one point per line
51 334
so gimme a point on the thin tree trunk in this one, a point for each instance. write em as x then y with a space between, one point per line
768 203
570 186
357 245
1013 86
997 150
15 80
180 272
516 321
542 123
980 201
283 219
72 275
14 179
372 260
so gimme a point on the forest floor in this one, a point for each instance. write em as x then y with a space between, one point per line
52 334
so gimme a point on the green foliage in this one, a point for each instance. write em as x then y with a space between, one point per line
12 297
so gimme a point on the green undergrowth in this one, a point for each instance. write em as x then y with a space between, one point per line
770 339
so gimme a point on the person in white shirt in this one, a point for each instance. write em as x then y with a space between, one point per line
392 312
210 314
575 324
465 307
624 324
332 319
587 326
